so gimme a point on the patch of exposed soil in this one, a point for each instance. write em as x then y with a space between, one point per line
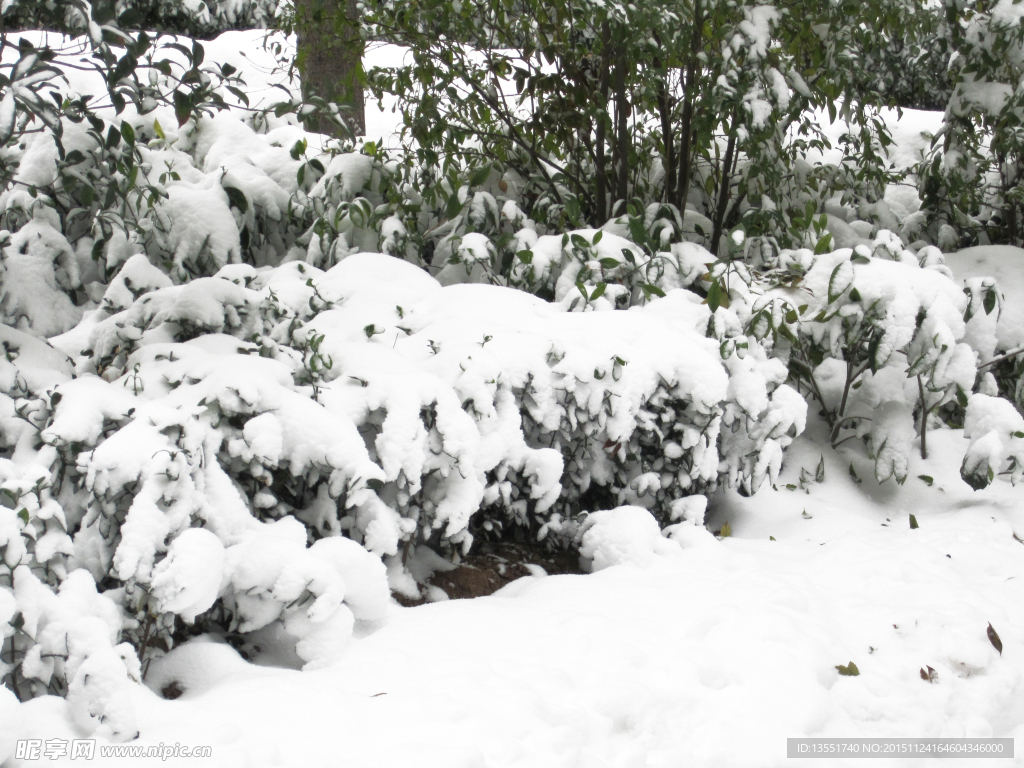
172 690
493 566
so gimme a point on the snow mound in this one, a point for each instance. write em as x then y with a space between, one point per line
194 667
620 536
10 716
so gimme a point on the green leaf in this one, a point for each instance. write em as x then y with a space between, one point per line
182 107
598 292
927 479
525 256
990 301
961 396
23 514
158 130
636 230
238 94
913 523
479 176
651 290
579 242
609 263
582 289
628 256
454 206
726 531
128 133
819 474
855 295
113 137
824 245
841 279
714 299
597 237
848 670
237 198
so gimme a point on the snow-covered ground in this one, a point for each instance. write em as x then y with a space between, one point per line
693 651
682 649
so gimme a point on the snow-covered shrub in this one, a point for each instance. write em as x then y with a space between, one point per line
523 410
1000 340
706 109
59 635
971 180
878 338
183 17
219 465
910 65
996 431
242 450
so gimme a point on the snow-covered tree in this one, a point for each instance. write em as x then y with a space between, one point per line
970 183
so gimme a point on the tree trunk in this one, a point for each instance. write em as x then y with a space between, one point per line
599 153
622 133
728 164
686 128
330 55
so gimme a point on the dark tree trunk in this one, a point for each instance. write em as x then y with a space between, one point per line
728 165
599 152
686 129
330 52
622 133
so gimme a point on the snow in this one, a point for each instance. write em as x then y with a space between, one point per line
1002 262
11 716
624 535
996 431
668 657
188 580
38 265
189 409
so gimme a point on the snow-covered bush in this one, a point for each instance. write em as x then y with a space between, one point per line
882 339
971 180
59 635
590 110
996 431
1000 340
580 382
241 450
183 17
